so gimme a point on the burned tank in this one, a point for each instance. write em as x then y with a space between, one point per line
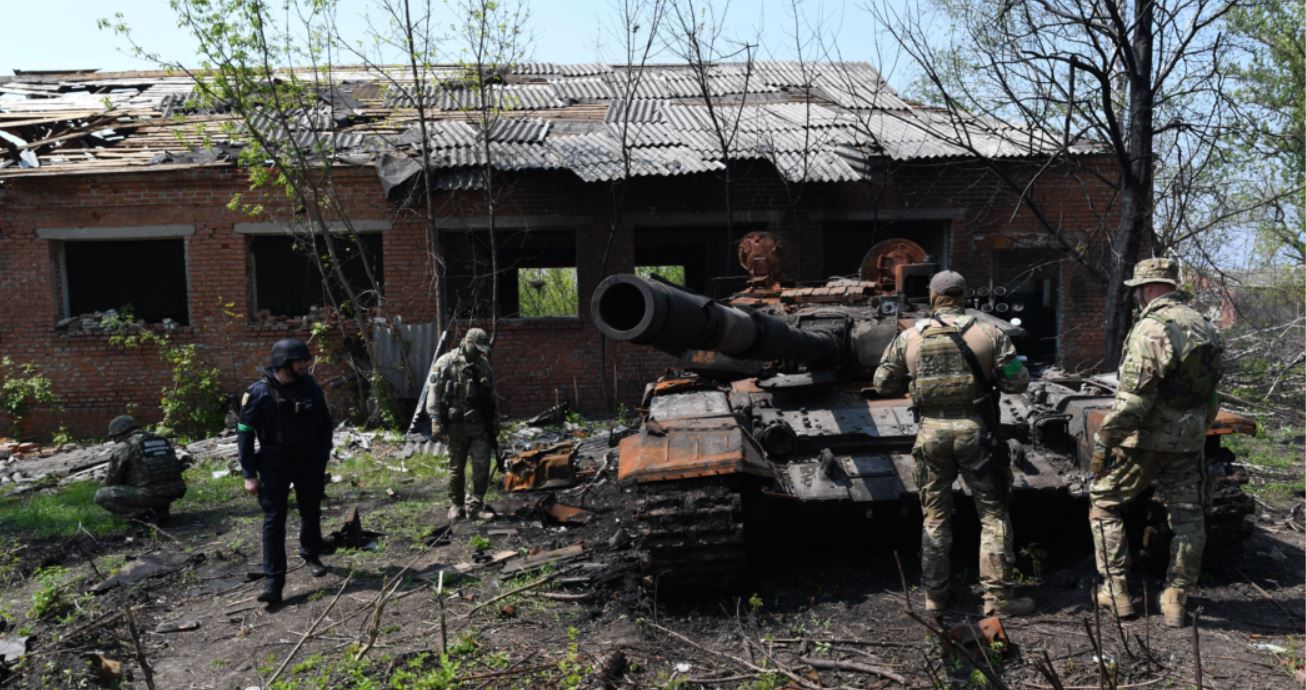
773 405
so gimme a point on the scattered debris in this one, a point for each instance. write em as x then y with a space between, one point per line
109 671
986 632
553 415
544 558
177 626
150 565
351 534
551 511
12 649
545 466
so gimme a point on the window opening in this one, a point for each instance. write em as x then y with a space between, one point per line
287 281
146 277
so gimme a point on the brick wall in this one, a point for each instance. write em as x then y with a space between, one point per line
537 361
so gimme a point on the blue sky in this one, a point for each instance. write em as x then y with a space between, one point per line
563 31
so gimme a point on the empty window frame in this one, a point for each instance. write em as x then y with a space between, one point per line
536 273
145 277
707 256
287 279
844 244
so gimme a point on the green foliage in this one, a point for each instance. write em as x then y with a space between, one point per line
193 404
1038 558
22 385
479 542
675 274
49 599
547 292
57 514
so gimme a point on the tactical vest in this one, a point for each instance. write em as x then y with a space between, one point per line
154 466
297 422
1199 354
467 393
941 378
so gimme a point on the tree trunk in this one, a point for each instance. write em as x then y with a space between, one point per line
1136 199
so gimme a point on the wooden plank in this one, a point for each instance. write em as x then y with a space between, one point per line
538 560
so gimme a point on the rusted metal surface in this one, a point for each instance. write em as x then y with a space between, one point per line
545 467
552 512
1227 422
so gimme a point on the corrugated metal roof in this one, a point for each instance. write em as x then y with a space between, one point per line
671 132
638 111
584 88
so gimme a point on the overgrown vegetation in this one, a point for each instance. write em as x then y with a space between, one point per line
21 386
193 403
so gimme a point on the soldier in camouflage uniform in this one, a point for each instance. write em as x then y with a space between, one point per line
951 439
463 404
144 476
1154 434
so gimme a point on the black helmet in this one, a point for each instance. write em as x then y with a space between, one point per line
289 350
122 424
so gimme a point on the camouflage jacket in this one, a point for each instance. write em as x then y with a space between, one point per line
462 394
996 354
1168 376
147 462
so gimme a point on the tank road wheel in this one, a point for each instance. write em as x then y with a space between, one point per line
691 536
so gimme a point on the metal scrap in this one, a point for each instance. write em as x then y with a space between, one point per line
551 511
549 466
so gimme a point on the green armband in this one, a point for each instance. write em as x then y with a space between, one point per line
241 426
1012 368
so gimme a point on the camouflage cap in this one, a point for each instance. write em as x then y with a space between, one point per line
948 283
121 425
478 339
1155 271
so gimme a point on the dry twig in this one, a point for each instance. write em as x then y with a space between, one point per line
140 651
309 633
833 665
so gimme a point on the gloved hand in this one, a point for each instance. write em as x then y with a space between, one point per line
437 431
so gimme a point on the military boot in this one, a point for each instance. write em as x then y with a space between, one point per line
1009 607
457 512
1114 595
1173 607
271 593
935 603
314 563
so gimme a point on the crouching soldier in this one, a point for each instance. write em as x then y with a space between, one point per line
287 413
464 408
144 475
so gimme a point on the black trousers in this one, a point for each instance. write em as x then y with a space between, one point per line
274 495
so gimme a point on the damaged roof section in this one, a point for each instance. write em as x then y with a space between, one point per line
815 122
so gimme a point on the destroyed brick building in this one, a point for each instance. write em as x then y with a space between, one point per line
115 190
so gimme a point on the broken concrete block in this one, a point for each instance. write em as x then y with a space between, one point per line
177 626
12 649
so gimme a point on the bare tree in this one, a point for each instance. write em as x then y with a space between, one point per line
1141 78
286 138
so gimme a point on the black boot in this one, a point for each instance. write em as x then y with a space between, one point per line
315 566
271 593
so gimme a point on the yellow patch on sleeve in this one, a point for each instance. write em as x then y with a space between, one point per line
245 400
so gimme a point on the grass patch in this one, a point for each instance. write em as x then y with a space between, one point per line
57 514
1275 460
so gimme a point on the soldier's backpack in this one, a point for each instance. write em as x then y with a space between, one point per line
941 377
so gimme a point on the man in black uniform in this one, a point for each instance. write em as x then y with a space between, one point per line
287 412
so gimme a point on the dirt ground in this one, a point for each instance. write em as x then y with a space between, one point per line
825 607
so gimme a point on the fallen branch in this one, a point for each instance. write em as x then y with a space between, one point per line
547 578
735 660
140 651
156 528
832 665
308 633
1142 684
1267 595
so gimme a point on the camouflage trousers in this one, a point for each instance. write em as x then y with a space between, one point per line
460 446
1178 478
124 499
945 448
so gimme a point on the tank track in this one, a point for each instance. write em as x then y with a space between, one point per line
691 535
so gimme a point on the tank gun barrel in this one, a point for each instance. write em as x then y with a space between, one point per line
629 308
